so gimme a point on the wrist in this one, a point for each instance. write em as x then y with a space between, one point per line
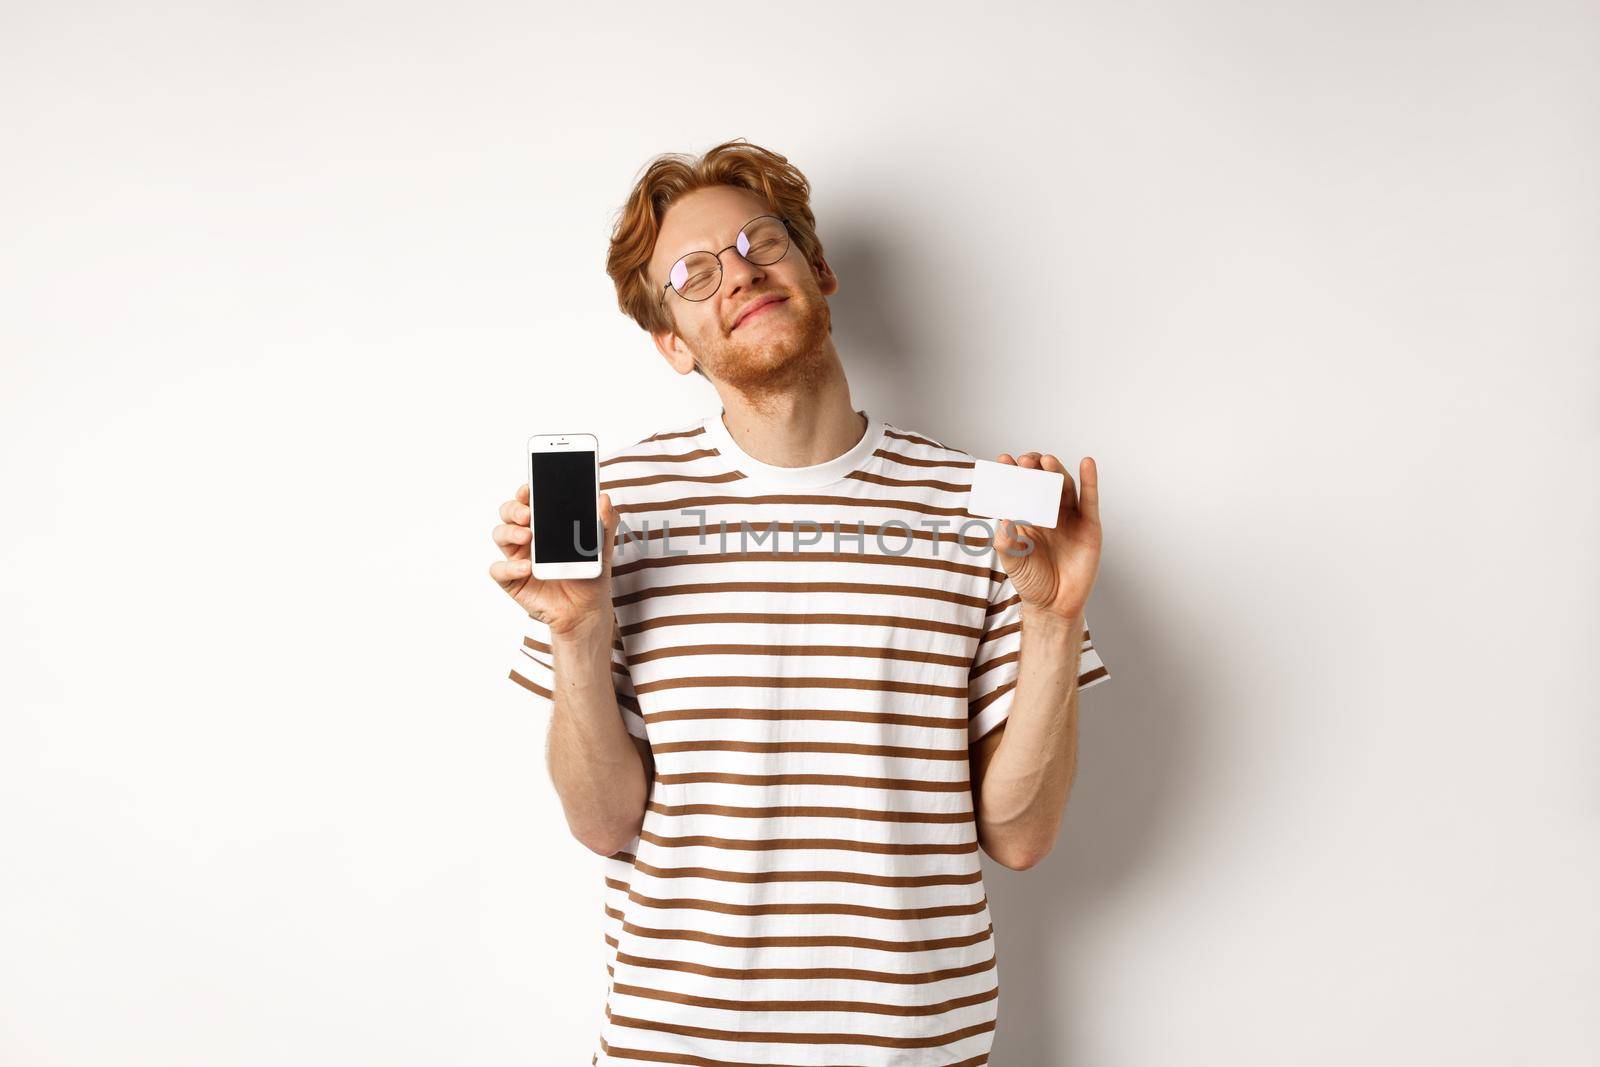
586 631
1053 624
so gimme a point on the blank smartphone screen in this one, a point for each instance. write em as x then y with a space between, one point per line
564 522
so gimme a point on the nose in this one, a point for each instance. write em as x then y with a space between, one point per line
738 273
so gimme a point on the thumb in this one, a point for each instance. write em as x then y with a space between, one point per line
1014 545
609 521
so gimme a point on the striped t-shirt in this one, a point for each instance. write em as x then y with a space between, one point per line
809 652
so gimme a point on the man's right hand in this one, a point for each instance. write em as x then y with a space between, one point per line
565 605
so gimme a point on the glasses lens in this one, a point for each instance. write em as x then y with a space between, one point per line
696 275
764 240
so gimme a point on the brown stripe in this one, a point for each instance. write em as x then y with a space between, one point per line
623 699
873 685
679 504
668 436
657 479
685 1059
664 457
816 714
887 881
531 686
824 941
842 747
852 588
1098 672
989 698
1009 657
682 535
868 814
914 461
995 609
807 973
691 559
913 785
918 439
904 483
807 908
540 646
810 844
913 655
996 728
831 619
1002 631
933 1041
866 1007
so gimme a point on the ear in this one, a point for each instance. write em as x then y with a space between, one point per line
827 281
674 351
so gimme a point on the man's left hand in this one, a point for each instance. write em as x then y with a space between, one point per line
1058 572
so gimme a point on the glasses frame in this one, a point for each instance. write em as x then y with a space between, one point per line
789 234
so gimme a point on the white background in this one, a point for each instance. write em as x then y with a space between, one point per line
285 286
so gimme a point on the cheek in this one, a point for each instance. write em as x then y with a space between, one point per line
709 333
797 280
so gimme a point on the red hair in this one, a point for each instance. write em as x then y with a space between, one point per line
667 178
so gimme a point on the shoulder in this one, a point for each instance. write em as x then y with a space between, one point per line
917 449
653 459
661 446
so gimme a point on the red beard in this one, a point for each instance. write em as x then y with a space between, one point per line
782 355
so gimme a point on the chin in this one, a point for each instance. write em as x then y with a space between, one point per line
766 353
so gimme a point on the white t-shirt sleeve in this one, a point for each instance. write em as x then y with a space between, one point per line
992 679
533 668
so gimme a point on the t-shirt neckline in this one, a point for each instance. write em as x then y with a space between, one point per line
818 474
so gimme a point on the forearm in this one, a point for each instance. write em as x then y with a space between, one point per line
1024 790
593 762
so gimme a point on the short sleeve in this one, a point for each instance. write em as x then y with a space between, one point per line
533 668
992 679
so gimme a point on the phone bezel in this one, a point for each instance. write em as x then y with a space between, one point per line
564 442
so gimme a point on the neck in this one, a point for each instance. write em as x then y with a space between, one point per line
795 428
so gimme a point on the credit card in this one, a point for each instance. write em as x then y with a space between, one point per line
1021 494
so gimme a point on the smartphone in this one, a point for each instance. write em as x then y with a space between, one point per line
564 491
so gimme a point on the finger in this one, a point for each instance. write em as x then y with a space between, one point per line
1029 460
1005 457
522 493
513 539
1089 503
515 511
510 573
1069 488
1069 495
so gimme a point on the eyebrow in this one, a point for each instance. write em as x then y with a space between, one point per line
704 247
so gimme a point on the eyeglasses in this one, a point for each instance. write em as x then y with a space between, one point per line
762 241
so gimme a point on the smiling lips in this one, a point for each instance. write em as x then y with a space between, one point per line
756 309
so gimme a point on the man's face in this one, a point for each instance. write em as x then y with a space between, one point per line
783 345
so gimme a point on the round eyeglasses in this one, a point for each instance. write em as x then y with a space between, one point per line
762 241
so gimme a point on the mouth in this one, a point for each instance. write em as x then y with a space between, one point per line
756 309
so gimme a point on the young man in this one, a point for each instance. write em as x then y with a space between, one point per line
803 694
